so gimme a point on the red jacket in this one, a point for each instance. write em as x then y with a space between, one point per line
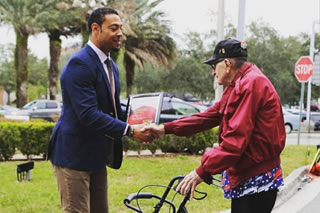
251 134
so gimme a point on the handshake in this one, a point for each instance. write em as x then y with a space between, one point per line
147 132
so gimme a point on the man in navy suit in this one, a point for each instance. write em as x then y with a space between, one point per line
87 136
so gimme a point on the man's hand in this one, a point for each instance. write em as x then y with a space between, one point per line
188 183
142 134
156 130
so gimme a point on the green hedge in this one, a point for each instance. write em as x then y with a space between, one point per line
32 138
9 138
195 144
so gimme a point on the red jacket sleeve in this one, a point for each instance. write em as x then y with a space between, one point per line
196 123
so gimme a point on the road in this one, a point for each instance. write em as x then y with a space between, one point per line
305 138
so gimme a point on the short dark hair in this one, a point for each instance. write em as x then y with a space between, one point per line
98 16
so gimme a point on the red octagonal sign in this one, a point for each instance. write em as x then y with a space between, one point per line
303 69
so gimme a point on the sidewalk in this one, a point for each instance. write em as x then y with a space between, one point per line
127 154
305 198
296 194
292 184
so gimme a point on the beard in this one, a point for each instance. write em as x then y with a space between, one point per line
116 49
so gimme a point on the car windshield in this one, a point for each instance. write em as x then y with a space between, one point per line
184 109
29 105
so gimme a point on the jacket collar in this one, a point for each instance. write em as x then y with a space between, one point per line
102 56
97 60
245 68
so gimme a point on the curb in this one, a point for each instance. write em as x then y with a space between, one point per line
292 184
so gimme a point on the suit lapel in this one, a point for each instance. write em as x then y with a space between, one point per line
101 69
97 61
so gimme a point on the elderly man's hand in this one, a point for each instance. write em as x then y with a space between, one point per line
142 134
157 130
189 183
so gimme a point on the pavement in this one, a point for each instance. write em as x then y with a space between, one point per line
300 193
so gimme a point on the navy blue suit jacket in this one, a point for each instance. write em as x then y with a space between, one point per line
86 132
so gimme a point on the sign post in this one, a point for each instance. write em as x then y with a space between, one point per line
303 71
316 71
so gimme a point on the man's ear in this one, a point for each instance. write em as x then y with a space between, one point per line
228 63
95 27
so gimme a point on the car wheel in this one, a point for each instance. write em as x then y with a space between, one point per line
288 128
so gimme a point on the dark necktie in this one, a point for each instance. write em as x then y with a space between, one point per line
111 81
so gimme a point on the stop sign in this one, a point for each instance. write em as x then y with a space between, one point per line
303 69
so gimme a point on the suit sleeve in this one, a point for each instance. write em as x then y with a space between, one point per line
79 85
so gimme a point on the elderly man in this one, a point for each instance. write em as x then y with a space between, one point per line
251 134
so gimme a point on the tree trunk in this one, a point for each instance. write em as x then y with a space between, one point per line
8 92
129 66
55 52
21 64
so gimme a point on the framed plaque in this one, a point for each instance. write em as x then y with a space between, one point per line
144 108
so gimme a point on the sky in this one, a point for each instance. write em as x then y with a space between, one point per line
287 17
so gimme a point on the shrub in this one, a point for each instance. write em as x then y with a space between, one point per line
198 143
35 137
32 138
152 147
195 144
125 143
9 137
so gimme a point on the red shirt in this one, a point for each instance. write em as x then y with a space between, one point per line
251 134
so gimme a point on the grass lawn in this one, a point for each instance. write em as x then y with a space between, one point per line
40 194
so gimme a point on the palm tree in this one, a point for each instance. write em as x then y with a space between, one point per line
7 70
21 14
61 19
146 35
150 42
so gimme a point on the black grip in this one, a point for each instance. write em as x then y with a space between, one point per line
143 195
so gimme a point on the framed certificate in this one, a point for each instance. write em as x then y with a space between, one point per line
144 108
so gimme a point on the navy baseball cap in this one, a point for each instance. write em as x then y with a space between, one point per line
228 48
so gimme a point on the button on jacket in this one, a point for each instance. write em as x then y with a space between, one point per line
251 133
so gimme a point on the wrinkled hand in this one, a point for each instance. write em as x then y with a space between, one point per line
188 183
156 130
142 134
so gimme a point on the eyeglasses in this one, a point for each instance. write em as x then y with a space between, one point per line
217 62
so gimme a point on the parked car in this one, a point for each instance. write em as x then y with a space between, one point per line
40 109
297 112
317 125
172 108
315 107
188 97
291 120
6 109
314 119
175 108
